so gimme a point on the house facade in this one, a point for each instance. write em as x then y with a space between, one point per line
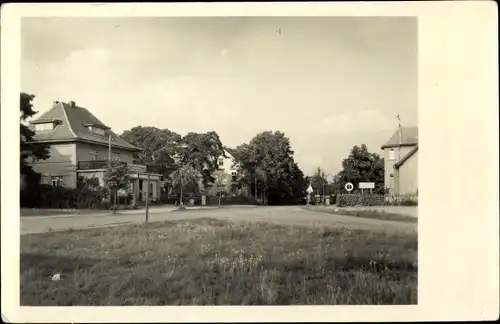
400 154
224 175
81 145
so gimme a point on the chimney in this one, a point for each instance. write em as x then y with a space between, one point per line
72 104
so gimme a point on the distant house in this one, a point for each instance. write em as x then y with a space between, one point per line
79 148
224 175
401 161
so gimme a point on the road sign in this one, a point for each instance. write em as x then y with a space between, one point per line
367 185
349 187
310 189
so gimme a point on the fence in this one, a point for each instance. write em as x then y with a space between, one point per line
375 200
237 200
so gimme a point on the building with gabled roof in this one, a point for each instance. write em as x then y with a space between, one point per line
81 145
401 161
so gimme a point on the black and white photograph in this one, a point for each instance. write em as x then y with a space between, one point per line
273 159
220 160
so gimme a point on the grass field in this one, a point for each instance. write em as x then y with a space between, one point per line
207 262
368 213
27 212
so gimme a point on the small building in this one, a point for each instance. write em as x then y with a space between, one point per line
401 162
80 148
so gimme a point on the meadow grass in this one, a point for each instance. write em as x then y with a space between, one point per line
215 262
365 213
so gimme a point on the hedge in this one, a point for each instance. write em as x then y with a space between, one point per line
375 200
68 198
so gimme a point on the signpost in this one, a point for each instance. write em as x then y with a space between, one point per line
349 187
367 185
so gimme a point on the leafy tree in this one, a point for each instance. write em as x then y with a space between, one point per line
268 166
184 176
202 151
29 150
319 181
159 147
116 178
361 166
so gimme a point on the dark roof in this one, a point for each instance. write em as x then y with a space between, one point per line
409 137
72 127
406 157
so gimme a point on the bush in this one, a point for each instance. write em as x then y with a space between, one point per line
375 200
67 198
359 200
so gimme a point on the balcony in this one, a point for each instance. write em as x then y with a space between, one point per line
93 165
103 164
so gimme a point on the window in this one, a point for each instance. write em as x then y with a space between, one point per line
221 161
94 156
44 127
115 157
57 181
392 155
97 130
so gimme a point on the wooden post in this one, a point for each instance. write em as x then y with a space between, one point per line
116 200
147 198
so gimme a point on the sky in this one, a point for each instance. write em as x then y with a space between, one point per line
328 83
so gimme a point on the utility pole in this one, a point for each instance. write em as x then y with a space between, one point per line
109 168
400 139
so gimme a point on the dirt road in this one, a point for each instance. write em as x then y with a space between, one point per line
288 215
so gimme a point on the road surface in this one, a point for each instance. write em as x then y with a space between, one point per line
286 215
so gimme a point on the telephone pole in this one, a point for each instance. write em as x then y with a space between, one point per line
400 139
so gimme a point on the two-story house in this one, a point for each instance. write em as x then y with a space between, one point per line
81 145
224 175
401 161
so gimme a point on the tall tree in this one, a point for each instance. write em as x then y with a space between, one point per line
268 165
202 151
362 166
29 149
319 181
159 147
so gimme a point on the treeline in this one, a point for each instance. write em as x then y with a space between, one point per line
266 168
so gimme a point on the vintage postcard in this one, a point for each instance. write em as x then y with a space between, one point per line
338 161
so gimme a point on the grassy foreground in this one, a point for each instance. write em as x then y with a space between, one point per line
369 213
207 262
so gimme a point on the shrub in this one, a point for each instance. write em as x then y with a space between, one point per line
359 200
61 197
343 200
